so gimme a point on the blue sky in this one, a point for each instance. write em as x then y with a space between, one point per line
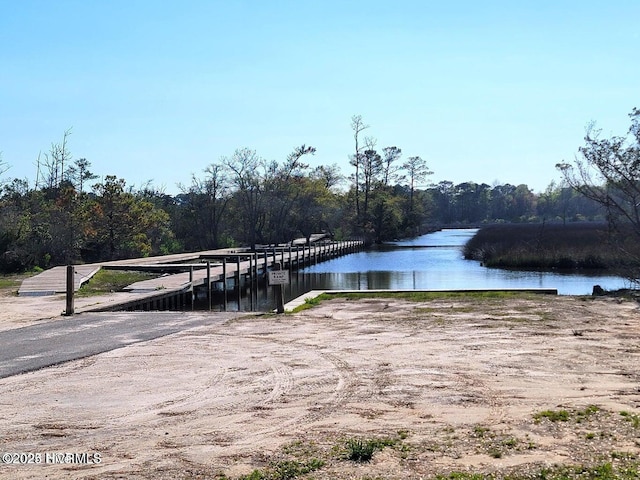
494 91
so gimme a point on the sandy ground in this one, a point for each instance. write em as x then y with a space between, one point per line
452 384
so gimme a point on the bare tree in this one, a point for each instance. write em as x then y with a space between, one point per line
357 126
607 171
3 167
244 167
54 162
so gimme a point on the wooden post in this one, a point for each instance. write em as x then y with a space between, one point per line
70 290
256 276
224 283
209 284
250 292
279 293
193 292
265 270
238 283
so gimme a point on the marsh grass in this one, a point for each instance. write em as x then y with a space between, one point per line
575 246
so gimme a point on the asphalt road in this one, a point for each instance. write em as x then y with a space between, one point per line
45 344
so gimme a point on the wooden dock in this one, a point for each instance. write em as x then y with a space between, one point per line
53 280
186 274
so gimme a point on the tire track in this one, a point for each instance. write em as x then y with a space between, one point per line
337 384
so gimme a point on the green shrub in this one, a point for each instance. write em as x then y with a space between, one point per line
552 416
360 450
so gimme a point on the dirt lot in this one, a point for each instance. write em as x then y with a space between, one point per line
520 385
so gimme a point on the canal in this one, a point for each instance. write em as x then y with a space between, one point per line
429 262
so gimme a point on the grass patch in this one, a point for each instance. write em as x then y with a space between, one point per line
412 296
564 415
586 413
285 470
309 302
552 416
327 458
461 476
631 417
107 281
417 296
9 284
600 471
496 445
578 416
480 431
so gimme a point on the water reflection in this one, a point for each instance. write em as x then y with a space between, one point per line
429 262
435 261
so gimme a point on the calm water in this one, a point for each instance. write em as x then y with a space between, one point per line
429 262
435 261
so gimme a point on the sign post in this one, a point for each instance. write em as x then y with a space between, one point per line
277 278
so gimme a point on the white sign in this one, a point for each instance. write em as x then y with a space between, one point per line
278 277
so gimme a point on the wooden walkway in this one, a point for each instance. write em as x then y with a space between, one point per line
189 272
53 280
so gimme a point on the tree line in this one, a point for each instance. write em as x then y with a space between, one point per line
68 214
